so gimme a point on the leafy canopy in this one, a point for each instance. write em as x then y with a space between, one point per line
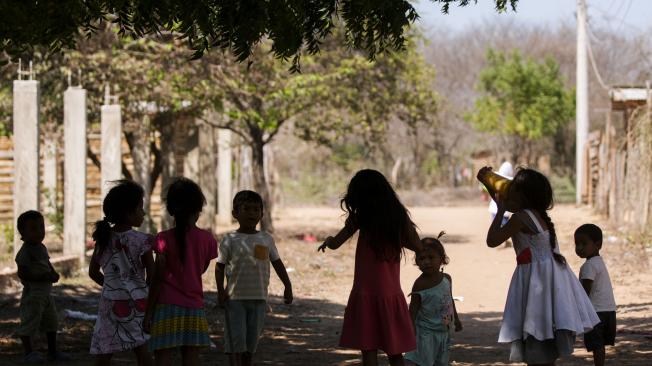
293 26
521 97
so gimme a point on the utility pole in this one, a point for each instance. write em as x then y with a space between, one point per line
581 102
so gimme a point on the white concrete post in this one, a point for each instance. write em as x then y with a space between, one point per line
224 180
111 153
74 187
581 102
26 150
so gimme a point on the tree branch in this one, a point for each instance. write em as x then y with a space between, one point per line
273 133
157 168
226 126
126 173
91 155
96 161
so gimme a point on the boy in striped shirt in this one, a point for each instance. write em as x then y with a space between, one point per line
244 259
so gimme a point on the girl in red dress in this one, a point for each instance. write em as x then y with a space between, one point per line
377 315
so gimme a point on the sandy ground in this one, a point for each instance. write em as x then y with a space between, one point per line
307 332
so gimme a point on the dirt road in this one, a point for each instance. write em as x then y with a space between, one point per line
307 332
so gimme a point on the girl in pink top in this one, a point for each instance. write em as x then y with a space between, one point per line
175 314
376 316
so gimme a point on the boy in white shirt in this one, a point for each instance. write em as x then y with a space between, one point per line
244 258
595 280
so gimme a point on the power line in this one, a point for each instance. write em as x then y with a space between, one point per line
593 63
612 17
622 20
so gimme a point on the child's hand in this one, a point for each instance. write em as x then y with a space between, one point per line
54 277
458 325
222 296
328 243
500 203
147 322
287 295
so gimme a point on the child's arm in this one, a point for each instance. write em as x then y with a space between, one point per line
587 276
587 284
342 236
458 323
94 270
415 306
222 296
415 301
282 274
412 241
27 275
497 234
154 290
148 261
54 276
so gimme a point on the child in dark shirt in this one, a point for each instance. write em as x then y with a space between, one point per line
37 309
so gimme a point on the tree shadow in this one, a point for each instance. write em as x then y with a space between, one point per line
477 343
307 333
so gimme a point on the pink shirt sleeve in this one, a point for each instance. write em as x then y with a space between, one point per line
159 244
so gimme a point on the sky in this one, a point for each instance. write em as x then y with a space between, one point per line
616 15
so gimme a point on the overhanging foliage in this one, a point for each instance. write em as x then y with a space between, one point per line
293 26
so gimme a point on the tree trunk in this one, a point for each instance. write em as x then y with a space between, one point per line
165 124
139 145
260 183
207 177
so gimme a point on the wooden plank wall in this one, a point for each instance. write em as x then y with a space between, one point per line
93 177
620 172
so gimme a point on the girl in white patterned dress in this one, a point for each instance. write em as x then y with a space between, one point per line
125 259
546 306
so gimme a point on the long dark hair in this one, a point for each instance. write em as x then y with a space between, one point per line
536 194
184 199
122 199
374 206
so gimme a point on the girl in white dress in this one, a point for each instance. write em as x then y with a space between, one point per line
546 306
121 262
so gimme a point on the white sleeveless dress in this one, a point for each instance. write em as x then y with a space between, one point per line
545 301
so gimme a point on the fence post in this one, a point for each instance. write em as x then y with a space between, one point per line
111 150
647 153
74 206
26 150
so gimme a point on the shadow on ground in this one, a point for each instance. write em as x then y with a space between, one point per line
303 333
476 344
307 333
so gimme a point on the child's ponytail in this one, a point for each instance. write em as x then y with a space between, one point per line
553 237
184 199
102 234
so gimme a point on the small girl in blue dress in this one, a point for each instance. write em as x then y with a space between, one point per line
432 307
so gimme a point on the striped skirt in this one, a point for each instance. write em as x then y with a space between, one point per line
176 326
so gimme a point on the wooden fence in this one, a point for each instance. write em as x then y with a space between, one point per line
619 183
93 181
